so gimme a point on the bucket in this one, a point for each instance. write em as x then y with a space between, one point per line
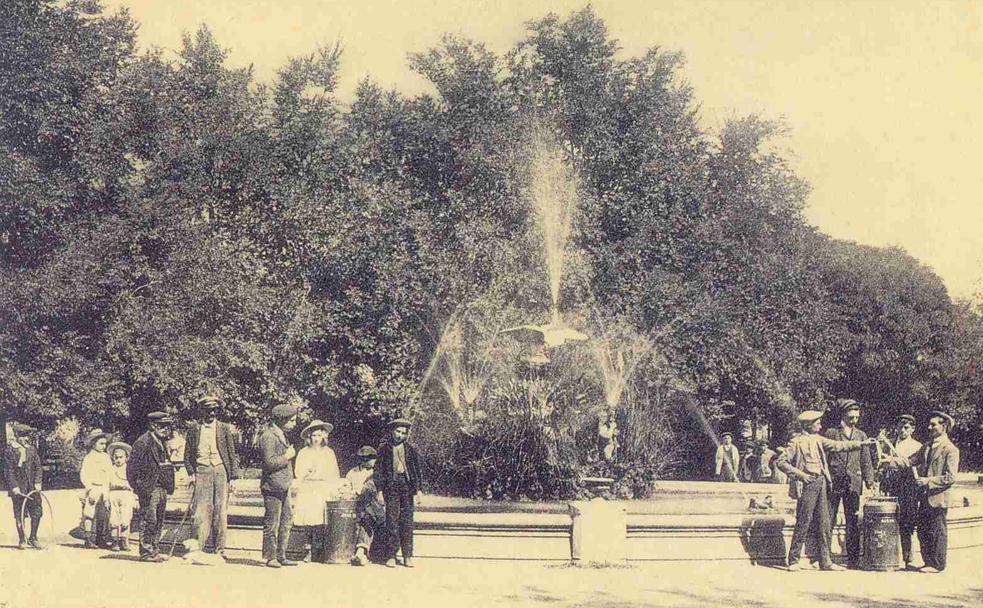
881 542
339 532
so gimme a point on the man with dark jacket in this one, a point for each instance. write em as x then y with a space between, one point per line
397 476
151 475
22 472
850 471
278 473
212 464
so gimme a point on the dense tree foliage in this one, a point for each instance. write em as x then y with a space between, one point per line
169 225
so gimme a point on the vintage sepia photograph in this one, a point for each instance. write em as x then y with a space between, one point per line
473 303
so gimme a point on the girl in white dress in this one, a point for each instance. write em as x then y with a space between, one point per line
95 474
318 481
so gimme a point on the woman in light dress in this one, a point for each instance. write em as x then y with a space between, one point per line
95 474
318 481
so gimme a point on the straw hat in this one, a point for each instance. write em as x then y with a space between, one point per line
94 436
317 424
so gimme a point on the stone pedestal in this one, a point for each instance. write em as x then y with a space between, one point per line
599 532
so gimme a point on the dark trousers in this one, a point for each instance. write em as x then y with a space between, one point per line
851 504
278 518
907 518
399 519
152 509
812 516
32 510
211 506
933 535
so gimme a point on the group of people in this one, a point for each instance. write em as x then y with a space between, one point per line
756 465
295 485
384 485
827 471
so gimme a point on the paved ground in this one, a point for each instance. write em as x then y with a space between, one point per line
65 575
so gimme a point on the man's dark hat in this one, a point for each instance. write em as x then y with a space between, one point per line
400 422
208 402
160 418
727 434
284 410
367 452
19 428
847 405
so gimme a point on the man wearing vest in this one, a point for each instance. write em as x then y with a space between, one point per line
151 475
934 467
808 472
212 464
397 476
850 472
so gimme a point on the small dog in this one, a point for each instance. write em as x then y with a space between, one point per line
195 556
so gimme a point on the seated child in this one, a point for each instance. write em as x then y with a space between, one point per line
370 513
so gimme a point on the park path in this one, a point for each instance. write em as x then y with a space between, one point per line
70 576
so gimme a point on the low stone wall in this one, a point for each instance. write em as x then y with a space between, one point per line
674 526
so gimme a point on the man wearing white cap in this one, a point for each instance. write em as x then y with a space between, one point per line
806 465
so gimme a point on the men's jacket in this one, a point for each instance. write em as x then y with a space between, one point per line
938 462
149 467
278 470
384 476
26 476
793 461
225 443
850 470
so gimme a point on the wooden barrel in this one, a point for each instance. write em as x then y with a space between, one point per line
881 542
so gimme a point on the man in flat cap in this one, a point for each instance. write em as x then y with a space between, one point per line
370 512
22 472
151 475
726 459
278 472
805 463
398 478
850 472
934 467
212 464
900 483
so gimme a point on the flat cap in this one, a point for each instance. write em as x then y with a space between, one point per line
208 401
160 417
400 422
810 416
906 418
284 410
847 405
727 434
367 452
949 420
20 428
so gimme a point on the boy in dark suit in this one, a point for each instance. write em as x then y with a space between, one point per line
278 473
151 475
22 470
212 464
397 476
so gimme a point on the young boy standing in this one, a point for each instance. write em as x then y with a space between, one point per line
397 476
22 469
